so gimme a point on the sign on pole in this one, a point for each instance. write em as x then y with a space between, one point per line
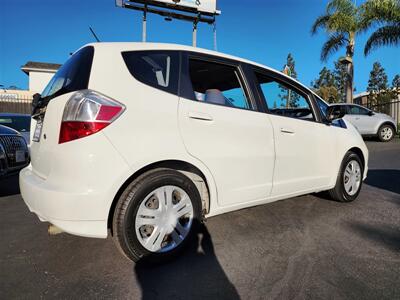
195 11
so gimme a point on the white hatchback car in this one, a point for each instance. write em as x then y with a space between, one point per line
146 140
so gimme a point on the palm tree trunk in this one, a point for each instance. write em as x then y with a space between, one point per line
349 82
350 69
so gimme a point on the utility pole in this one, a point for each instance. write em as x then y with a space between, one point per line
194 38
144 25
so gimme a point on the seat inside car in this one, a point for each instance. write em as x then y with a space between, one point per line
215 96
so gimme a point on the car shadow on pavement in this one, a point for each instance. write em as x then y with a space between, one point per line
388 179
388 237
195 274
9 185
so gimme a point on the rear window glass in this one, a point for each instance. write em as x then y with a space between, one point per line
73 75
19 123
217 83
158 69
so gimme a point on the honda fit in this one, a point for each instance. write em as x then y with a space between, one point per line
144 141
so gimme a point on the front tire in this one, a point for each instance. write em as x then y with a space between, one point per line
349 180
156 215
386 133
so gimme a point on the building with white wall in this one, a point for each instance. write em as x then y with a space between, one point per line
39 74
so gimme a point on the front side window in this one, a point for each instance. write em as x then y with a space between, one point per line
158 69
340 109
283 100
217 83
356 110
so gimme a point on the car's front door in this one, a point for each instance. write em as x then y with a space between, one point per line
221 128
303 145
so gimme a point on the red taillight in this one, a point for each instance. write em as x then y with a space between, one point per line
86 113
73 130
106 113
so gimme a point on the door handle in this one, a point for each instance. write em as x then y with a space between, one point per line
200 116
287 130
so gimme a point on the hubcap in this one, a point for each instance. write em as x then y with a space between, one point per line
164 219
387 133
352 177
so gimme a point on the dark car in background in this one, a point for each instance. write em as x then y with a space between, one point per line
14 153
18 122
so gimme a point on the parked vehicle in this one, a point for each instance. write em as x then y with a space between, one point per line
368 122
3 161
147 140
19 122
14 154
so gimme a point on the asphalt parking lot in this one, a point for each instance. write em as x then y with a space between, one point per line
305 247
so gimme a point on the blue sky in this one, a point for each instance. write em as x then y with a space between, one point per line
264 31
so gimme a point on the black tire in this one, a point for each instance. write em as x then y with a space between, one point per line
124 233
381 133
338 193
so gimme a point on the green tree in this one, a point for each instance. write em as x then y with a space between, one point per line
325 86
386 15
341 22
288 98
379 93
340 74
378 80
396 82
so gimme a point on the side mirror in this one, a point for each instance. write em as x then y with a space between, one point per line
370 113
334 113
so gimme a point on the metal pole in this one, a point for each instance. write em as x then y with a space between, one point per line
195 33
144 29
215 35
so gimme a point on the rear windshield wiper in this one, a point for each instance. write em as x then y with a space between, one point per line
39 103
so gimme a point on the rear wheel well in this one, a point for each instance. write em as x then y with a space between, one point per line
186 168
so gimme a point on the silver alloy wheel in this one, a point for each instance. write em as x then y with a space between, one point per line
164 219
386 133
352 177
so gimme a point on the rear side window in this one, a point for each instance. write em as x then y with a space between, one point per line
158 69
217 83
73 75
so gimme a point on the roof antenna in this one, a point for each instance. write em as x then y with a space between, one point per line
94 34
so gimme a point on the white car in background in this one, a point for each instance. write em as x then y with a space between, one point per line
368 122
146 140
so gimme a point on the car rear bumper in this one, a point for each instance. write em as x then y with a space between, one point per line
70 211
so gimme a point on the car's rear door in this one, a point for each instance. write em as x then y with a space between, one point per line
221 127
303 145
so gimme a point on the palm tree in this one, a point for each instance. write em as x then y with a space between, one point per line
341 22
386 14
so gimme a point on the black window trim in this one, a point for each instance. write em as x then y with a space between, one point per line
239 66
290 84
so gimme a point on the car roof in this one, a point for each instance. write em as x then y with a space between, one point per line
134 46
